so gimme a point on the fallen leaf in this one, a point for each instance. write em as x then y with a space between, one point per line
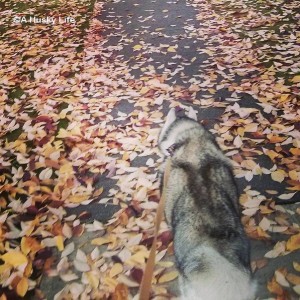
278 175
296 79
121 292
280 278
296 266
14 258
292 278
100 241
168 277
115 270
22 287
293 242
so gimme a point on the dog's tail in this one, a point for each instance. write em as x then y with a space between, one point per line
219 279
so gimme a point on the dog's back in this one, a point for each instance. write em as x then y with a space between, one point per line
211 248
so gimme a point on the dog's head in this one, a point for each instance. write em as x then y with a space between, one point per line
172 133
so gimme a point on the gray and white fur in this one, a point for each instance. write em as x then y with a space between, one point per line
211 249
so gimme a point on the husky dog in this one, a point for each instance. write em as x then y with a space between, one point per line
202 208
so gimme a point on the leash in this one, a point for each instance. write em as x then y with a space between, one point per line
148 273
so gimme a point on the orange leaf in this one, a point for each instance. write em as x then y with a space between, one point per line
121 292
295 151
29 244
274 287
292 278
275 138
3 297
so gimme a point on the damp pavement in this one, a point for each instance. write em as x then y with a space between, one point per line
149 24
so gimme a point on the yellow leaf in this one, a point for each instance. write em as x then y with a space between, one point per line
294 175
165 264
171 49
63 133
144 90
296 288
93 279
14 258
138 258
59 242
293 243
45 189
252 127
278 175
76 130
67 169
296 79
137 47
296 266
22 287
112 283
271 153
78 198
283 97
115 270
100 241
208 52
21 148
5 268
168 277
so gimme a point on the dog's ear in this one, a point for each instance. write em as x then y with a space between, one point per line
192 114
171 117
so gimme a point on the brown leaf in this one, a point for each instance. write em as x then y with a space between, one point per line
274 287
121 292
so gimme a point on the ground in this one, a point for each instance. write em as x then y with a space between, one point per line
85 87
